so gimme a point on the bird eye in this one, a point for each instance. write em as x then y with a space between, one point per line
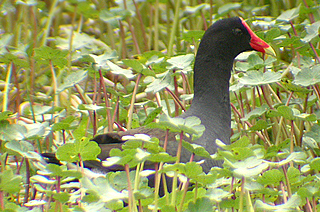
237 31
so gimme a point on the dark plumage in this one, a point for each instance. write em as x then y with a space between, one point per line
221 43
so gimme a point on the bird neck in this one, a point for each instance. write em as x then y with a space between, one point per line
211 78
211 102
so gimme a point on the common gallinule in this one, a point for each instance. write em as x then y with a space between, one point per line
221 43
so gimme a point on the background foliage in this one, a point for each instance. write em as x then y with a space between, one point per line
71 69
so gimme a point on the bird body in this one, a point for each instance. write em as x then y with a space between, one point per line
221 43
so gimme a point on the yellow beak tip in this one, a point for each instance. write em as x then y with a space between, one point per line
270 51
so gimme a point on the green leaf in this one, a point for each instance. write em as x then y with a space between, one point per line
127 156
259 125
196 149
86 44
72 79
102 188
159 84
9 182
46 54
192 35
292 87
257 112
42 179
271 177
217 194
88 150
81 129
192 170
201 205
189 125
134 64
225 8
9 132
289 15
61 171
161 157
115 205
119 180
5 41
113 15
298 157
308 76
177 167
254 78
182 62
91 107
36 130
255 61
290 205
152 115
87 10
24 148
241 153
315 164
314 133
115 69
9 57
101 60
62 197
197 8
5 115
272 34
306 117
286 112
242 142
250 170
64 124
304 192
312 32
293 174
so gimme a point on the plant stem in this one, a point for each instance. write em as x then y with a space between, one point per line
6 88
55 85
156 26
241 195
133 100
130 195
176 99
143 31
70 56
175 178
174 27
110 124
49 21
287 181
27 185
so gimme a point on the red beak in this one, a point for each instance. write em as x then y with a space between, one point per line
257 43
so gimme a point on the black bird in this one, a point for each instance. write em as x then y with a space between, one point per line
221 43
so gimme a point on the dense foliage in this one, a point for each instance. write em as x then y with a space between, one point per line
72 69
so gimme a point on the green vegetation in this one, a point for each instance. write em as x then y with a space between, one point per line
71 69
